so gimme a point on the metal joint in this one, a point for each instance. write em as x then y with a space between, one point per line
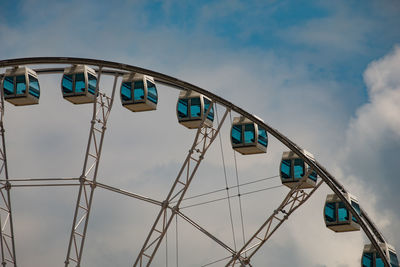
165 204
175 209
82 179
93 185
7 186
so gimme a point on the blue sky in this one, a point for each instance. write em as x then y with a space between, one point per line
311 69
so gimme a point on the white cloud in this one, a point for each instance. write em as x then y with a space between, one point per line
281 90
368 159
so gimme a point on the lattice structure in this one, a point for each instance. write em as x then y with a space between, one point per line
293 200
101 111
203 139
7 231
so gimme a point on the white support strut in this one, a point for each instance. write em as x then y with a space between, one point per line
6 220
203 139
101 110
293 200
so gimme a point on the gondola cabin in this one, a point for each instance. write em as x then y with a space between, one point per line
78 84
192 108
337 217
247 137
371 258
293 169
138 92
21 86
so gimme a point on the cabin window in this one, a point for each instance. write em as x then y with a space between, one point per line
92 83
330 212
367 260
343 213
286 169
298 168
138 91
379 261
262 137
21 84
313 175
152 92
195 108
236 134
210 115
249 136
80 83
357 208
8 85
126 91
67 84
34 89
393 259
183 108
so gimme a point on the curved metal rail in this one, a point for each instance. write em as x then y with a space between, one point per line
115 68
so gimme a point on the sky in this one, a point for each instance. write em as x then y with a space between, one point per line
324 73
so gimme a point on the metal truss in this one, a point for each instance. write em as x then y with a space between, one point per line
293 200
101 111
202 141
6 223
87 184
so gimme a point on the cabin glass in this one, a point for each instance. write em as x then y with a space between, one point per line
379 261
393 259
286 169
249 135
357 208
298 168
138 91
34 88
92 83
67 84
8 85
210 115
343 213
152 92
313 175
126 91
80 83
183 108
367 259
262 137
236 134
21 84
195 108
330 212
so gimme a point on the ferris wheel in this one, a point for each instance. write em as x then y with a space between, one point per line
210 120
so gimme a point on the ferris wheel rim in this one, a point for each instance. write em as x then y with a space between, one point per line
368 227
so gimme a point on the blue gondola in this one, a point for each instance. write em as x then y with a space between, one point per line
247 137
139 92
21 86
293 169
337 217
371 258
192 108
78 84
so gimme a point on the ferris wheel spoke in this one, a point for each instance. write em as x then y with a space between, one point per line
293 200
101 110
202 141
7 240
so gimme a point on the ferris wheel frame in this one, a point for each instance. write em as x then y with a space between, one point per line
119 69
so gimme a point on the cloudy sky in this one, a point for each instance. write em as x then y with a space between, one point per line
324 73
